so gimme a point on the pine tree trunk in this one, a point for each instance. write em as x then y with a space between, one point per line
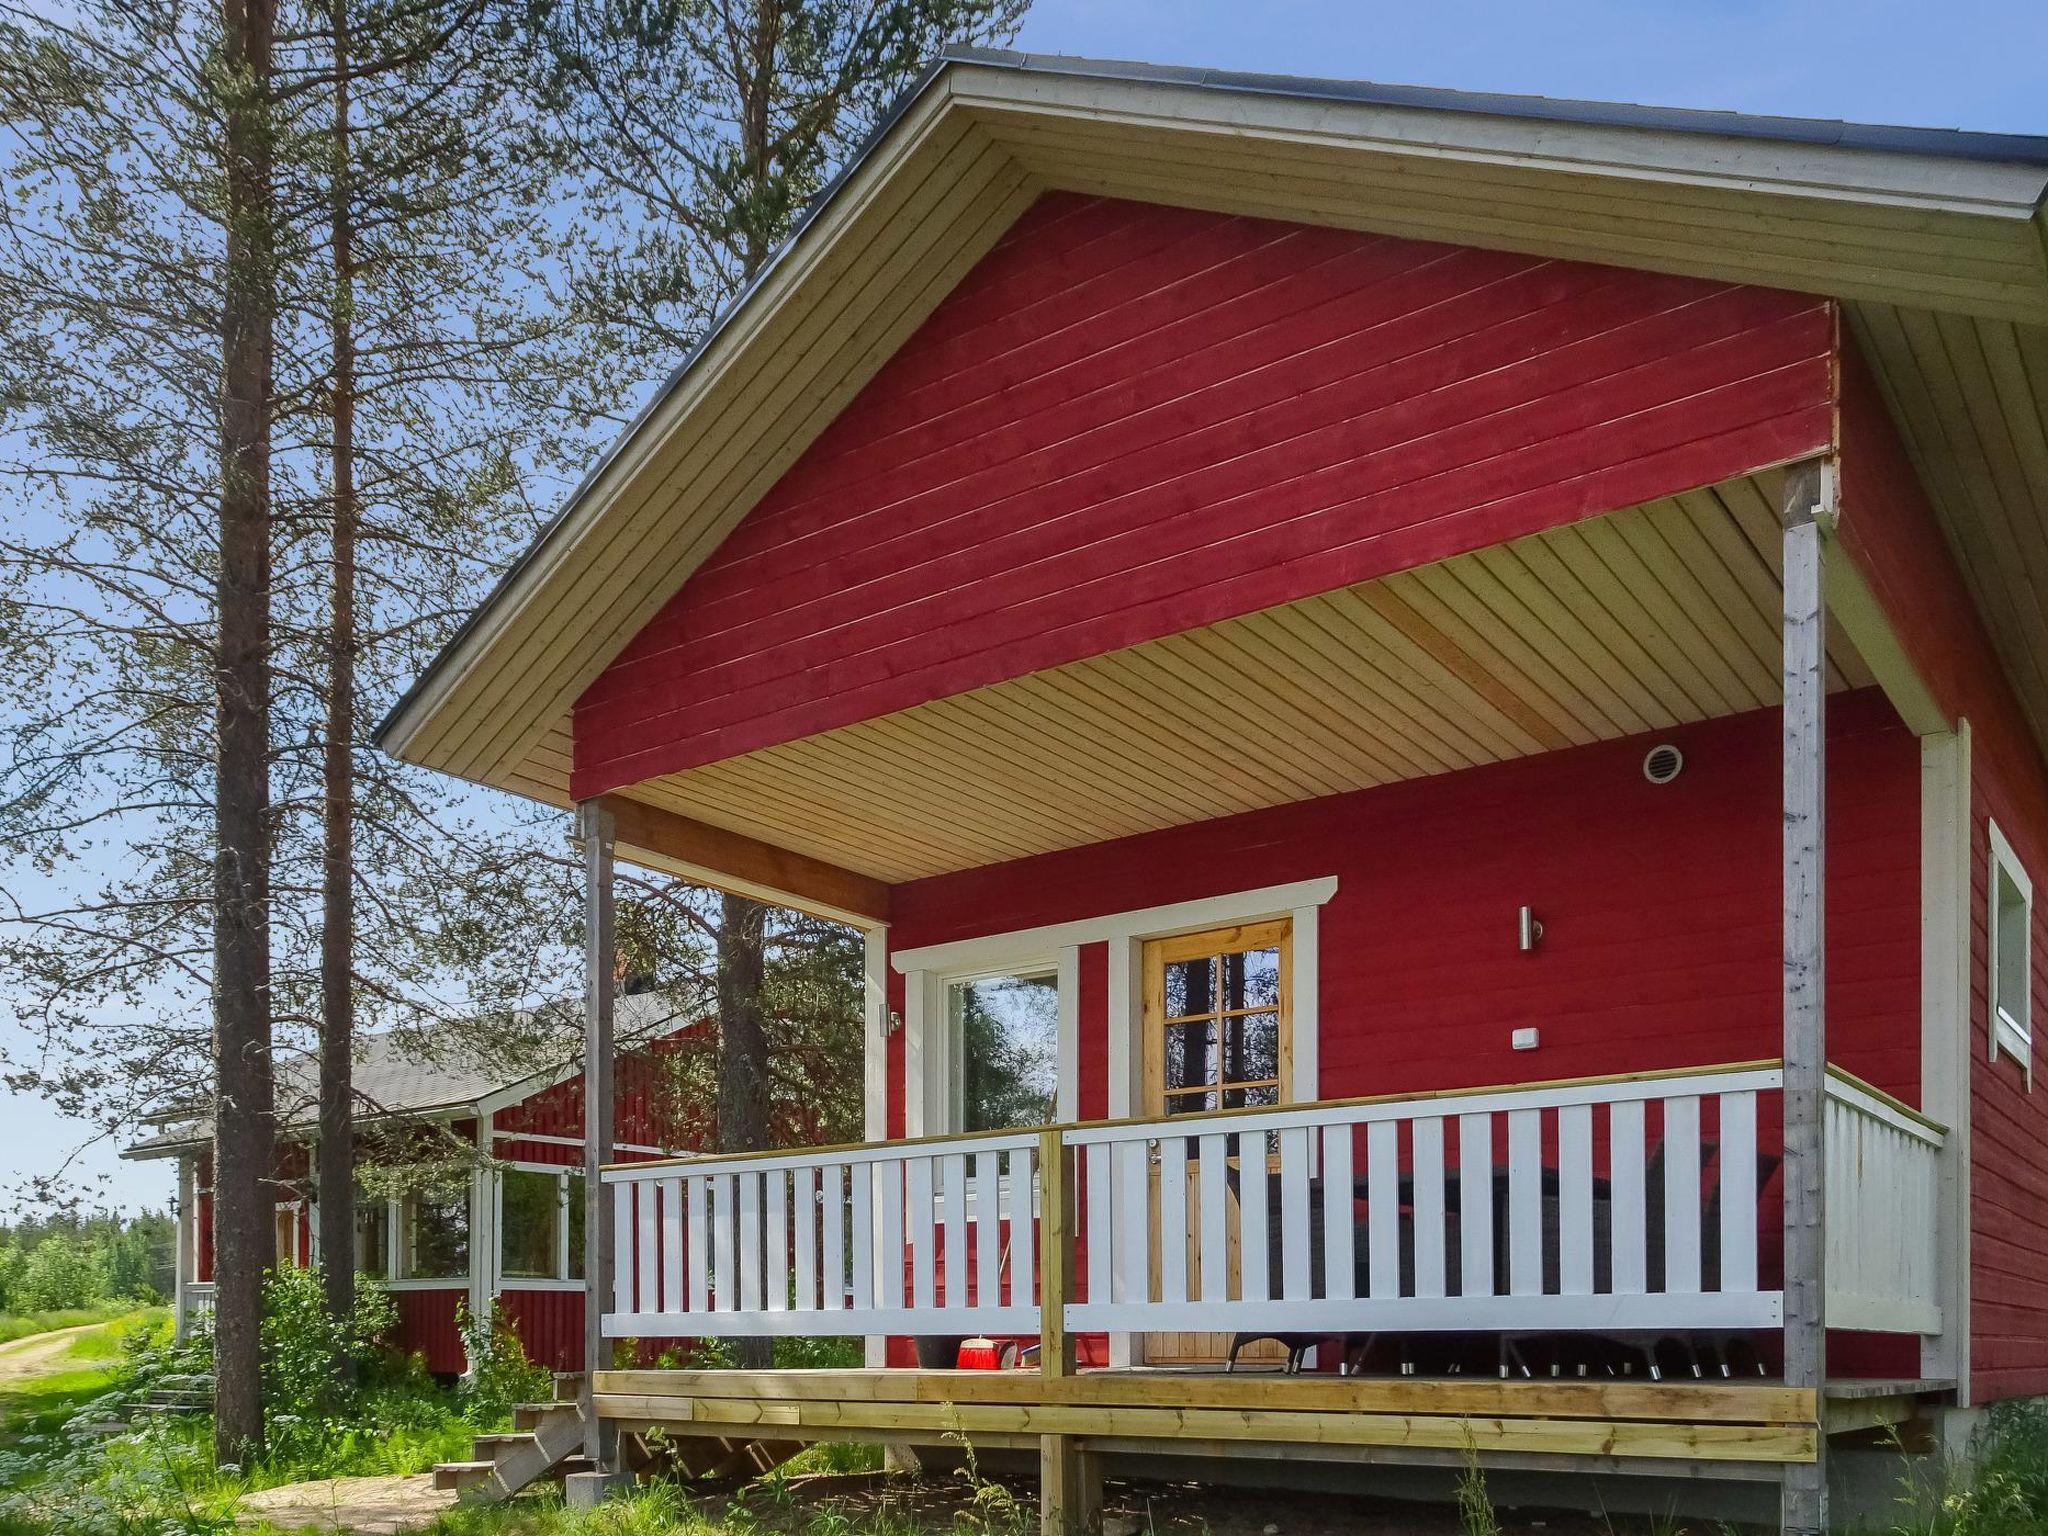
743 1053
337 866
244 1197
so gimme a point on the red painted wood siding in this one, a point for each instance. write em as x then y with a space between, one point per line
550 1325
1660 907
426 1327
1891 531
1130 420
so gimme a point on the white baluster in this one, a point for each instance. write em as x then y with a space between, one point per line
988 1228
1575 1199
890 1258
1213 1247
860 1202
1525 1202
1023 1234
775 1231
1339 1271
1173 1208
953 1176
671 1245
698 1244
804 1202
1383 1208
920 1215
1133 1274
1296 1245
832 1269
1428 1139
1475 1203
1682 1194
1627 1169
623 1235
1738 1191
1101 1228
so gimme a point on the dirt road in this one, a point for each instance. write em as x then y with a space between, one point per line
40 1354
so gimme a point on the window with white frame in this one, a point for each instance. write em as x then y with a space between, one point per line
540 1223
2010 922
433 1233
1006 1030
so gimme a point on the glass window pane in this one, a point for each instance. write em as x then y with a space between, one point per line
1191 987
1251 979
434 1235
1265 1096
1009 1033
2012 981
1190 1054
1251 1047
373 1235
576 1226
529 1243
1190 1103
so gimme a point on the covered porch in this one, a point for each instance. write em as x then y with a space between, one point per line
1625 1269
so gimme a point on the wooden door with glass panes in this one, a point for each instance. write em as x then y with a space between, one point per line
1218 1031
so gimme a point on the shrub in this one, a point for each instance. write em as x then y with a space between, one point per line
303 1394
60 1273
499 1374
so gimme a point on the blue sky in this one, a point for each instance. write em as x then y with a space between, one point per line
1957 63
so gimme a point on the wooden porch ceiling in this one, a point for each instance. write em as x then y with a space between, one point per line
1632 622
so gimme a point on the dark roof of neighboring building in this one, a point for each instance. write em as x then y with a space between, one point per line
394 1079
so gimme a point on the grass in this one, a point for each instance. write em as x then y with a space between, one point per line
23 1325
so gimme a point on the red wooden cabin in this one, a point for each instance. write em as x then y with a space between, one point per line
509 1233
1434 708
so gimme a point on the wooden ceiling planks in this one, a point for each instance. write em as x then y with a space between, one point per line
1636 621
1970 398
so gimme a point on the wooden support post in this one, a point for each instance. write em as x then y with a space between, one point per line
1069 1487
594 825
1809 510
1055 1254
1069 1474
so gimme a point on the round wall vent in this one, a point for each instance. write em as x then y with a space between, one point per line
1662 763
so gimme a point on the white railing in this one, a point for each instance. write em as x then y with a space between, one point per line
1618 1205
1615 1205
1882 1169
195 1302
915 1238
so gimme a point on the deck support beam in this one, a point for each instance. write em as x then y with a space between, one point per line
597 830
1069 1487
1809 510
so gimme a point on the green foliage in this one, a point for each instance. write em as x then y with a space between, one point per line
1476 1515
2002 1492
500 1375
61 1272
67 1263
307 1402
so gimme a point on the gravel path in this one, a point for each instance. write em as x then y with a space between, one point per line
362 1506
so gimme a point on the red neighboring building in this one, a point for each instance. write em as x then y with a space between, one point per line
510 1232
1434 709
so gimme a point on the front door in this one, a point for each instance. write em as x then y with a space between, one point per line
1218 1032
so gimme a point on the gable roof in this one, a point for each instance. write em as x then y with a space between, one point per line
393 1081
1918 231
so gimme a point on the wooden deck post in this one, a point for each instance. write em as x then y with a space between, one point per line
1069 1474
1809 510
594 825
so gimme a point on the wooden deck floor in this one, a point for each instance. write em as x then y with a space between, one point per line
1744 1429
